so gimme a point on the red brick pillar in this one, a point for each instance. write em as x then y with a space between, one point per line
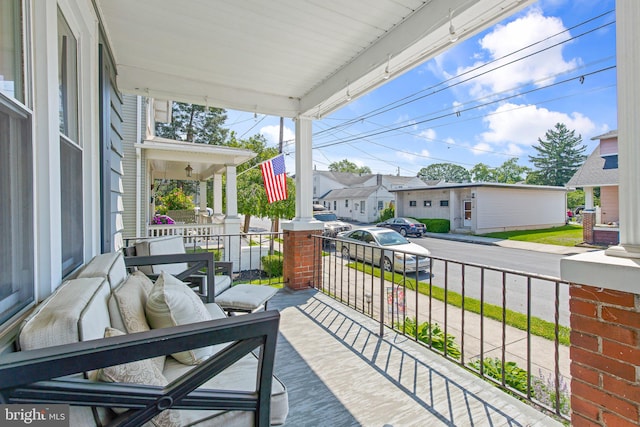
588 222
605 357
302 258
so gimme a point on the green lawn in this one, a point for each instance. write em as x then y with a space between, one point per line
567 235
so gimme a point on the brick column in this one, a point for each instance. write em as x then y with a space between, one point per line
302 258
588 222
605 357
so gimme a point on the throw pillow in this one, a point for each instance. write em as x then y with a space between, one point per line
138 372
173 303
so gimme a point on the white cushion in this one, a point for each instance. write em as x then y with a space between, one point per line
127 307
245 297
110 265
139 372
77 311
162 246
172 303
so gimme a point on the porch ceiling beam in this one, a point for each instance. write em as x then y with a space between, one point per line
160 85
423 35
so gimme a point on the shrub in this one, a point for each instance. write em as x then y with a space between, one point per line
175 200
272 265
431 335
387 213
436 225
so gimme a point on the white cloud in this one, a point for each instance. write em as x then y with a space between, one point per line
516 126
272 133
538 69
428 134
413 158
481 148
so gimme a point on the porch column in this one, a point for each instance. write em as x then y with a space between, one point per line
605 285
217 195
203 197
232 220
302 252
588 198
232 192
628 55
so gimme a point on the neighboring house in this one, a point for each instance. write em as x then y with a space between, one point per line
358 197
149 158
600 170
480 208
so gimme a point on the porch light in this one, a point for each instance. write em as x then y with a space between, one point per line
452 31
188 170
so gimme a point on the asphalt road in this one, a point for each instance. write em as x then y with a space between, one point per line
496 256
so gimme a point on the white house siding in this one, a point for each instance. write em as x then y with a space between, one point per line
420 211
500 209
129 134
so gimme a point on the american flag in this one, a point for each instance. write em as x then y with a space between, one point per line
275 178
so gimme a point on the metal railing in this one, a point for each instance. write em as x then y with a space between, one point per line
509 327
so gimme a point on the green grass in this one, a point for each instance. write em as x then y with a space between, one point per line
539 327
567 235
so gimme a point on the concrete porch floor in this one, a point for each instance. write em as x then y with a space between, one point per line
339 372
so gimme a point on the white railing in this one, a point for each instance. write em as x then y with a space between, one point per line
190 232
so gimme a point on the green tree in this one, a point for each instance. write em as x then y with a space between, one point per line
483 173
559 157
510 172
444 171
252 197
347 166
176 199
195 123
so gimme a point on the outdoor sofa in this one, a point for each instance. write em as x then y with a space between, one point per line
123 350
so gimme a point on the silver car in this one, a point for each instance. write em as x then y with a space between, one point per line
383 247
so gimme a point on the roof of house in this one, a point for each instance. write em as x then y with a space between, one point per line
593 173
344 193
350 179
608 135
481 184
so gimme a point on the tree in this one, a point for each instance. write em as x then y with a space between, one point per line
444 171
195 123
510 172
347 166
483 173
559 157
252 198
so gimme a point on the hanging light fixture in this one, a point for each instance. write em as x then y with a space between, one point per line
452 31
188 170
348 93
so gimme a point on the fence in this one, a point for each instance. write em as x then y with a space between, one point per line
509 327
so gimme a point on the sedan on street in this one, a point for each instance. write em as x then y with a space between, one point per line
405 226
383 247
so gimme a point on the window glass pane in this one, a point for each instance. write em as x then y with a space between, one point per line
71 202
67 79
16 210
11 65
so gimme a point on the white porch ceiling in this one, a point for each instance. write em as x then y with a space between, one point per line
281 57
168 159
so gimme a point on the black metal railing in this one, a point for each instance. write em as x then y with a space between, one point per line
507 326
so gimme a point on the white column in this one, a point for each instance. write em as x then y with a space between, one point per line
217 195
304 170
628 55
232 192
203 197
588 198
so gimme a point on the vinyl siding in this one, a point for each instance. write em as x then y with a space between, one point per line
129 130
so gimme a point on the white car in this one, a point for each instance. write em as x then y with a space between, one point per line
383 247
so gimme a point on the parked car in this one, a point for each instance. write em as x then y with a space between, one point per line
405 226
332 225
383 247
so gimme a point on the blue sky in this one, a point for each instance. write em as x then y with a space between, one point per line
485 100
